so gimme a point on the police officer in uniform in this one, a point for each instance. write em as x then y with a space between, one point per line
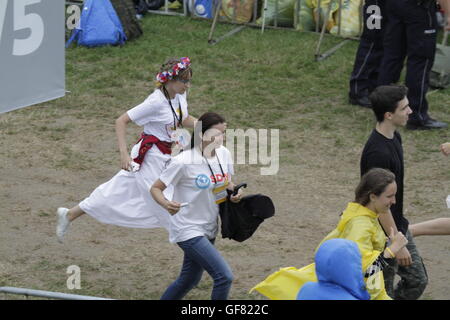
364 77
410 31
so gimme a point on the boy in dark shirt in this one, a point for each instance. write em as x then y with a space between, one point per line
384 150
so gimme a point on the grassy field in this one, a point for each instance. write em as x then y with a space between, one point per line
261 81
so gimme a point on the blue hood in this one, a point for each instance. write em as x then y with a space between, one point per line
339 272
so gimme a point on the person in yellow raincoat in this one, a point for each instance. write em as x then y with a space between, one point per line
359 222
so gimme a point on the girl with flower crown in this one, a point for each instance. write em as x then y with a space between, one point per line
125 199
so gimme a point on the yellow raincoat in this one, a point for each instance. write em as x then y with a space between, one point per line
357 223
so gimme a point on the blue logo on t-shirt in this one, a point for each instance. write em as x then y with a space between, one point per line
202 181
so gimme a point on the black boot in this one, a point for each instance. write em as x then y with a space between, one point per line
425 125
362 101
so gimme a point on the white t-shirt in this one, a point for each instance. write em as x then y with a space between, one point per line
156 116
192 180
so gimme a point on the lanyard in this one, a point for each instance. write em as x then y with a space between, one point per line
174 114
210 169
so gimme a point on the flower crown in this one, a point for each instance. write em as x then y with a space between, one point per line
164 76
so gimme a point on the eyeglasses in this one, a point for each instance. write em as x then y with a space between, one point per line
185 81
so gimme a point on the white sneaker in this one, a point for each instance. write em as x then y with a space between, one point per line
63 223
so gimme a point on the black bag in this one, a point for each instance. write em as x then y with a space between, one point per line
240 220
140 6
154 4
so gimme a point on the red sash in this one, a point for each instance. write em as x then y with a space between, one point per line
147 143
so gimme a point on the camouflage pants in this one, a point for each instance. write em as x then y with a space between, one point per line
413 279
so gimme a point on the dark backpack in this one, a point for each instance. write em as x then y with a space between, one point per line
155 4
240 220
142 6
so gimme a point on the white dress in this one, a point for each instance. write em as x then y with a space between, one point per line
125 200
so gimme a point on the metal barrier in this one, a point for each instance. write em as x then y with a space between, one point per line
47 294
296 19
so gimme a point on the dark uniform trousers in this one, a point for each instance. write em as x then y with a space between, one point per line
410 32
369 55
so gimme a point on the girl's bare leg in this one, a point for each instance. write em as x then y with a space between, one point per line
74 213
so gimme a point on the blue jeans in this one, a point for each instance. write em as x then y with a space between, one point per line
200 254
